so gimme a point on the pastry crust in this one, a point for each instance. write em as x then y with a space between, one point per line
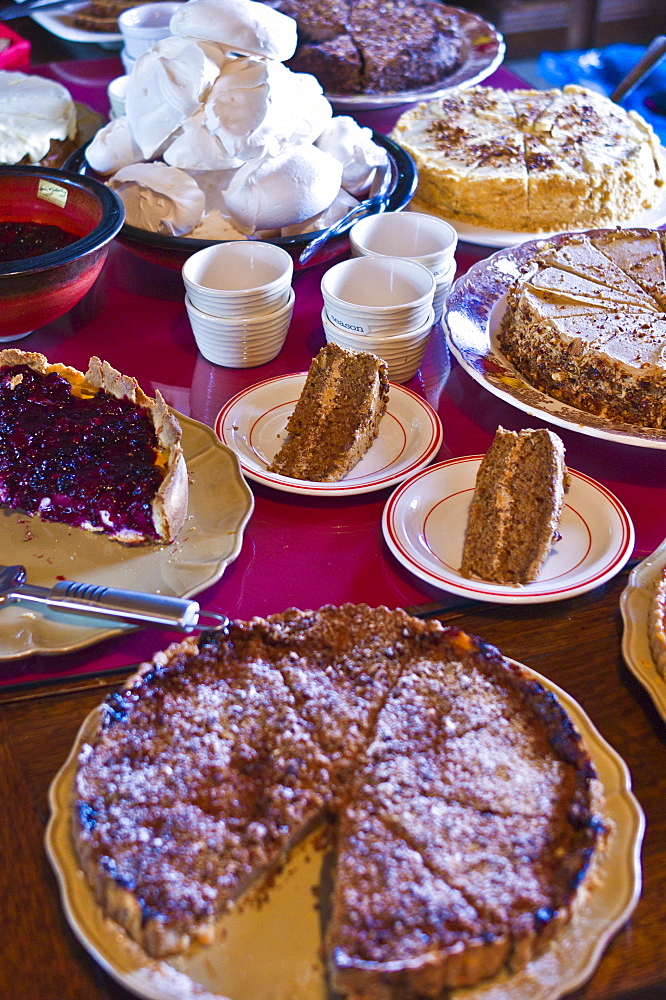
455 778
657 623
169 504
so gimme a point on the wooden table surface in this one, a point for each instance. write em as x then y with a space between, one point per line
576 643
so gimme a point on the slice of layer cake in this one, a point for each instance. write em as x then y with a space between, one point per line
89 450
516 507
337 416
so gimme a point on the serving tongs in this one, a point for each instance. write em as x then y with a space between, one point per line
109 604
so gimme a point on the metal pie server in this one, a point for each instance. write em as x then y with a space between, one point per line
124 606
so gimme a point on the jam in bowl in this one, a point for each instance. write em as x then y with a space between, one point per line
55 231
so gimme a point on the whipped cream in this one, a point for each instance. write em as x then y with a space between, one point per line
289 188
159 198
33 111
250 28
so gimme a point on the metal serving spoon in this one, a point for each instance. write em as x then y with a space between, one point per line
126 606
374 203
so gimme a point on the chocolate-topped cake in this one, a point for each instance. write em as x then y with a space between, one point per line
369 46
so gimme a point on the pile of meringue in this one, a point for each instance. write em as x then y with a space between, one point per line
220 140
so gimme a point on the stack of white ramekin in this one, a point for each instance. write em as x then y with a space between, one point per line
382 305
239 301
419 237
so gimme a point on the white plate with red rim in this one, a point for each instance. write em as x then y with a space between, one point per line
424 524
253 422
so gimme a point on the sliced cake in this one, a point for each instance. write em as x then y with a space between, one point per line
336 417
586 323
89 449
552 161
516 507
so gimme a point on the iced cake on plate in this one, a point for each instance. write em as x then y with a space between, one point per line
532 161
465 806
585 322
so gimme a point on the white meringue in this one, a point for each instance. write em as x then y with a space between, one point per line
258 107
343 202
165 88
159 198
353 145
113 147
283 190
33 111
195 148
244 26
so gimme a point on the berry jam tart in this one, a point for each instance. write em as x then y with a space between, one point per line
89 450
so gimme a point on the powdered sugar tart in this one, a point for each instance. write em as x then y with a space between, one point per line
368 737
90 450
477 305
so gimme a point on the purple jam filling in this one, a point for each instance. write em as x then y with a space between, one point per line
19 240
76 461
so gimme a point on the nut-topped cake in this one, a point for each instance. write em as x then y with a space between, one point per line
467 806
533 161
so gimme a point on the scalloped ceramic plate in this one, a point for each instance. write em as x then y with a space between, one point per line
220 505
635 605
269 947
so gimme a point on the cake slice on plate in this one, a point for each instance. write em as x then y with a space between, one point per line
515 511
336 417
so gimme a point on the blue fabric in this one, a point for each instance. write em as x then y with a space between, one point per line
602 69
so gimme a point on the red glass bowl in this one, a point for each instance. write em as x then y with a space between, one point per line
36 290
173 251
